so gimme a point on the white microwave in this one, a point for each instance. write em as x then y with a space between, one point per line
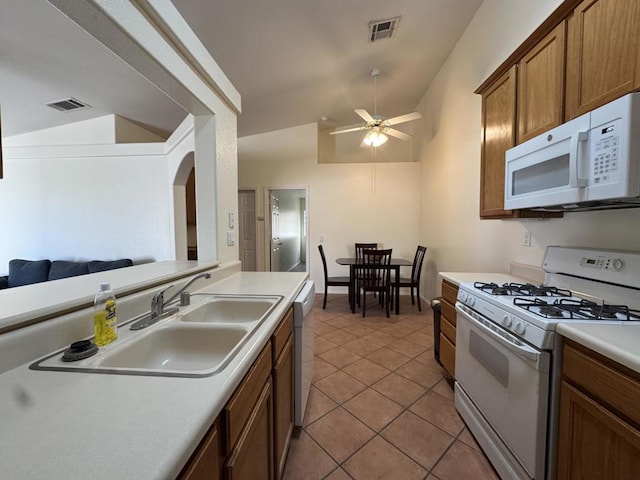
590 162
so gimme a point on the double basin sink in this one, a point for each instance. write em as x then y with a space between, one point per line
198 341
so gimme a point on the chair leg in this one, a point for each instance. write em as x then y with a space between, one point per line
326 289
418 297
364 301
412 302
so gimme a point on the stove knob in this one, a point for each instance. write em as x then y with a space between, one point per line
618 264
472 300
463 297
506 321
520 328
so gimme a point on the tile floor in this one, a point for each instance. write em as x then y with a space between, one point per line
380 407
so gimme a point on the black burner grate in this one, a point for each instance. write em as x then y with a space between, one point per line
521 290
577 309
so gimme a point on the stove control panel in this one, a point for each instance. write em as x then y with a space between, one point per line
602 263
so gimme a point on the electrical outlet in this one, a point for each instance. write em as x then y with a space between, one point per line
526 241
231 239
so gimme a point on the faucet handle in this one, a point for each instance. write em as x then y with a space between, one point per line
157 302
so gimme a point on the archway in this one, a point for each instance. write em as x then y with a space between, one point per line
184 208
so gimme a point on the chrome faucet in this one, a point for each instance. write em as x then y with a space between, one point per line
158 304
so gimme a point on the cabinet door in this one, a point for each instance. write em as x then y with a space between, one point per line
205 463
541 86
593 443
283 406
252 457
498 135
602 53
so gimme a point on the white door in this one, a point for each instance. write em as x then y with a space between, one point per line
247 229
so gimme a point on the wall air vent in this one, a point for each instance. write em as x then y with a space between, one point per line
67 104
379 29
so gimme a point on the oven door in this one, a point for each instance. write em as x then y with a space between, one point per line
506 384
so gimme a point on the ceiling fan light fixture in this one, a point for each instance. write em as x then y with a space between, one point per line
375 138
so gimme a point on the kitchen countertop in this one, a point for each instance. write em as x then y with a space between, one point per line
618 342
101 426
462 277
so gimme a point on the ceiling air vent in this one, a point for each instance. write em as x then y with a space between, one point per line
67 104
379 29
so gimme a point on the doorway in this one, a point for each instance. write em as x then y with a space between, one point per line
288 227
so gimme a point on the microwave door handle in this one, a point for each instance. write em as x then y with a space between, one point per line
576 160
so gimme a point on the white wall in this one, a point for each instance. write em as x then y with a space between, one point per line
85 202
347 203
449 221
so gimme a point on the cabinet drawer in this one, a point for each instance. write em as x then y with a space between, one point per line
448 355
238 409
603 379
448 312
282 333
448 330
449 292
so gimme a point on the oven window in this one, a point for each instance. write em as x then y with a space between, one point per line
492 359
541 176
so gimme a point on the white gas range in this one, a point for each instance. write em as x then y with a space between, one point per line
508 354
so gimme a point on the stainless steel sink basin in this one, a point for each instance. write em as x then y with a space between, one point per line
230 309
178 349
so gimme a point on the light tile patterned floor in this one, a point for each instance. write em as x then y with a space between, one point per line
380 407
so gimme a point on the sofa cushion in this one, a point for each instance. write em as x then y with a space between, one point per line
26 272
64 269
4 282
101 266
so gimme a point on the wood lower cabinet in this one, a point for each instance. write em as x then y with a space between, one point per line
282 392
250 438
603 53
206 462
599 421
252 457
448 327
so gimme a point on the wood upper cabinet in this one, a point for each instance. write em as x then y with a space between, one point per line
599 420
603 61
498 135
540 98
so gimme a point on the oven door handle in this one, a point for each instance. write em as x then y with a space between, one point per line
526 352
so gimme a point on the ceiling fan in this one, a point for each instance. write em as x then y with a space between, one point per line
379 128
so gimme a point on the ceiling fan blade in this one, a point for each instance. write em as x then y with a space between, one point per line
407 117
397 133
346 130
365 115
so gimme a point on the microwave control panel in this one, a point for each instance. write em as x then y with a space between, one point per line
605 153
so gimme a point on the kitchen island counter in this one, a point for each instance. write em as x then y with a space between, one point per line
104 426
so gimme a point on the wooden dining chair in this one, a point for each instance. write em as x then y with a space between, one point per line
376 277
360 247
331 281
414 281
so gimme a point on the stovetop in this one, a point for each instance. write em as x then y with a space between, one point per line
531 312
552 304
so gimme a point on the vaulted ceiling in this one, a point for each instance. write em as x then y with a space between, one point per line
293 62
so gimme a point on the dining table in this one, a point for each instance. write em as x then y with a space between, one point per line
355 263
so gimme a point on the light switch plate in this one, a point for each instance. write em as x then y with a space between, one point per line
232 220
231 239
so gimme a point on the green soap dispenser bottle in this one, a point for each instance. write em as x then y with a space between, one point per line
104 316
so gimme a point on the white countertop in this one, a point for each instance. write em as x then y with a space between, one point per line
462 277
80 425
620 342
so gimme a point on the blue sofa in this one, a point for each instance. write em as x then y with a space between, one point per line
27 272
